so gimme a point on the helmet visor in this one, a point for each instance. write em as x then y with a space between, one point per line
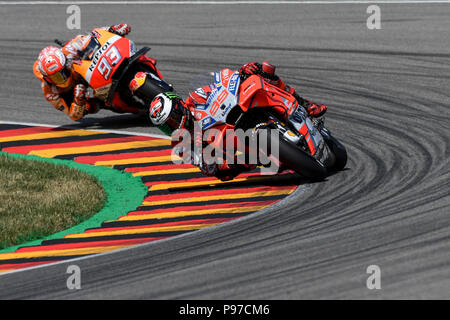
59 77
179 118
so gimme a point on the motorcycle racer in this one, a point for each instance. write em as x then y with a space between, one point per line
267 71
62 86
170 113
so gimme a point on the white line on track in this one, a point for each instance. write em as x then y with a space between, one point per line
256 2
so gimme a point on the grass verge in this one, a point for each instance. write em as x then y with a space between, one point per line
39 198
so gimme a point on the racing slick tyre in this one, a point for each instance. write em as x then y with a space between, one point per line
339 152
298 160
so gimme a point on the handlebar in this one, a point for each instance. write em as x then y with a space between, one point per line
59 42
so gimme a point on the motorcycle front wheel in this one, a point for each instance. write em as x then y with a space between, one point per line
294 158
339 152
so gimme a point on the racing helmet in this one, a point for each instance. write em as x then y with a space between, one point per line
168 113
52 66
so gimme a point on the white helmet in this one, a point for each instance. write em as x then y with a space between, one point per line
169 113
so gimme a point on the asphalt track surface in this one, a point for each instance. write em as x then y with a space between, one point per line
388 97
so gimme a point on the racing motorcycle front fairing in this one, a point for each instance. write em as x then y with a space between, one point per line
109 63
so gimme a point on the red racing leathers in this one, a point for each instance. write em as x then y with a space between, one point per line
226 171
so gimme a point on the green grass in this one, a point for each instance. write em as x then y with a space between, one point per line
38 199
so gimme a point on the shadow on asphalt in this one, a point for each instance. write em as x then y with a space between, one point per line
116 122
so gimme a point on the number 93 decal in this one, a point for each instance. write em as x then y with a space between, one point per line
109 60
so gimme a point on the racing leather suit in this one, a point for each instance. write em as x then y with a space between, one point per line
226 171
76 100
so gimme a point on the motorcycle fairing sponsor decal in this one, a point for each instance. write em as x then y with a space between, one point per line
221 99
225 77
234 83
201 93
212 96
207 122
102 92
219 104
199 114
138 81
201 106
217 80
99 56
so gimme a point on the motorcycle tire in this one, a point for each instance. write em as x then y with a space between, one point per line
339 152
298 160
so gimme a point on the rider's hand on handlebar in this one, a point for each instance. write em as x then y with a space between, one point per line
120 29
316 110
250 68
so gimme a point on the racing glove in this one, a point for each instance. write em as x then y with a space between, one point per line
120 29
250 68
314 110
78 106
266 70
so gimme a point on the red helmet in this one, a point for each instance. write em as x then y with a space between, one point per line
51 64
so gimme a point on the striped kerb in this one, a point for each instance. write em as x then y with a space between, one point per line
180 199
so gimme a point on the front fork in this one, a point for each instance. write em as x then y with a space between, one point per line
319 148
296 121
284 128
